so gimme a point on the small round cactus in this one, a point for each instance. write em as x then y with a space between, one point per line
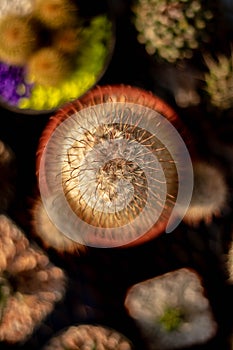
209 194
48 67
67 40
18 39
171 29
89 337
56 13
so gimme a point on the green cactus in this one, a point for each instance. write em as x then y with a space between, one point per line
219 81
171 29
171 319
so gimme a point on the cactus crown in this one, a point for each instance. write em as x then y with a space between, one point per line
171 319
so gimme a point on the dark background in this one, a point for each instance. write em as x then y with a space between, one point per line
98 280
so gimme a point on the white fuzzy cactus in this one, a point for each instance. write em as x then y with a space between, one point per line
210 193
171 310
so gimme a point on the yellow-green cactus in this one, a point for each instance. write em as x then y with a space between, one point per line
219 81
171 319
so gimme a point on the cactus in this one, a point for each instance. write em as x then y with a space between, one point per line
114 193
67 40
18 39
171 310
50 236
209 194
89 337
56 13
171 319
48 67
30 284
219 82
171 29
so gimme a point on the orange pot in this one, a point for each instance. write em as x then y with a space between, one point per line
112 157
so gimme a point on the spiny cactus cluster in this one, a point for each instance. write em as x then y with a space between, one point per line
30 284
89 337
35 41
219 81
171 29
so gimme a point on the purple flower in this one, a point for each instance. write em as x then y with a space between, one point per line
12 84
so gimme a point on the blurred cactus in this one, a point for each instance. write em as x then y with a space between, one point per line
30 284
210 194
171 319
56 13
171 310
7 176
18 39
49 234
89 63
171 29
67 40
182 80
89 337
48 67
219 81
